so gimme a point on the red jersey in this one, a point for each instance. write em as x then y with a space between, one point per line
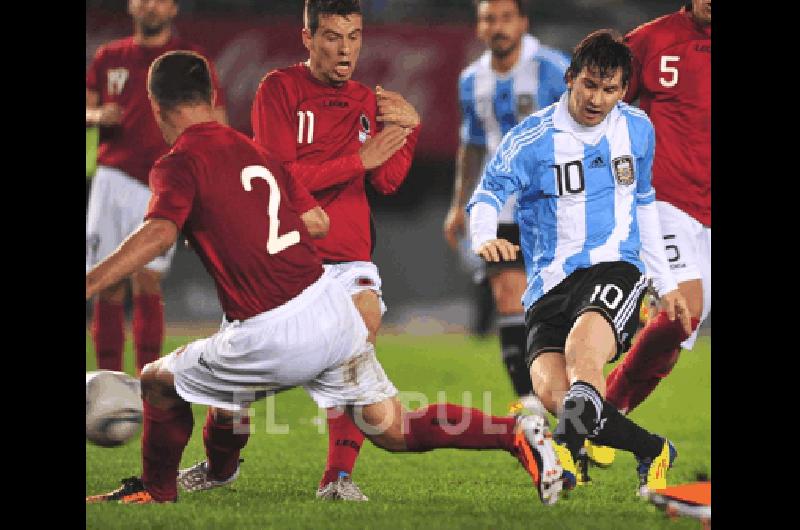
672 79
316 130
118 73
240 212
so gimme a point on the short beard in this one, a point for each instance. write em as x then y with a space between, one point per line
499 53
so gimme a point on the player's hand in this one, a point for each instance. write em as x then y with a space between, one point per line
393 108
107 114
675 305
498 250
454 226
382 146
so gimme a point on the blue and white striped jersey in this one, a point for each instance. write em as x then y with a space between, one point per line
492 103
578 188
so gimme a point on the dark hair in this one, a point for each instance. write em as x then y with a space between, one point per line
315 8
604 51
180 77
522 6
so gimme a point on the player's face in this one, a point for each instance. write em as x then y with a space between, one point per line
500 26
152 16
591 97
701 11
334 48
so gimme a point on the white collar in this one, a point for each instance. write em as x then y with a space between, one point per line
564 121
530 46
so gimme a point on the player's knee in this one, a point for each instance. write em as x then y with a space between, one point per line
114 294
149 381
392 441
146 282
158 384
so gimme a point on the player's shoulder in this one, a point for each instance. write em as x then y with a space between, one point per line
467 76
638 123
472 68
552 57
285 78
114 47
635 114
664 26
533 128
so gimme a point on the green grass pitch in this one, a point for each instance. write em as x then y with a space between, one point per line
439 489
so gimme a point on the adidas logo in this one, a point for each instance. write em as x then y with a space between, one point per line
597 162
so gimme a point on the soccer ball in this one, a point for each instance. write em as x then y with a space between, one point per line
113 407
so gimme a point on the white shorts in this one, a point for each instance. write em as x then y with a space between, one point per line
688 246
317 340
357 276
117 204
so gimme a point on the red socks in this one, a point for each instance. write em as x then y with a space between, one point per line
344 444
447 425
166 432
108 334
223 445
649 360
108 331
148 328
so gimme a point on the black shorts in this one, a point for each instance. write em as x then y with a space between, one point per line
614 289
509 232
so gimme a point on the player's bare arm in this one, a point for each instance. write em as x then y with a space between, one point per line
151 239
468 168
393 108
316 221
382 146
96 114
498 250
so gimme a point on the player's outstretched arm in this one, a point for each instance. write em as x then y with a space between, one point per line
151 239
468 169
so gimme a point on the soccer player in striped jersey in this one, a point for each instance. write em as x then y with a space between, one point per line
589 232
516 76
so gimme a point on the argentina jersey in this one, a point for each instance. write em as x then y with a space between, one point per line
578 188
492 103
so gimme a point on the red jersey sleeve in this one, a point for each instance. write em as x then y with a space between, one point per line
388 177
274 127
298 195
93 74
173 188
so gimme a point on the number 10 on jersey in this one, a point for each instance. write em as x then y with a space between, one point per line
305 123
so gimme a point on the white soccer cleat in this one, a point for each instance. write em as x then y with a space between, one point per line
534 445
341 489
195 478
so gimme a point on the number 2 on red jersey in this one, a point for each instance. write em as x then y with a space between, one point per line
275 243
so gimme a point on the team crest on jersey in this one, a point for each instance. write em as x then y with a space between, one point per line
623 170
116 80
524 105
364 128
